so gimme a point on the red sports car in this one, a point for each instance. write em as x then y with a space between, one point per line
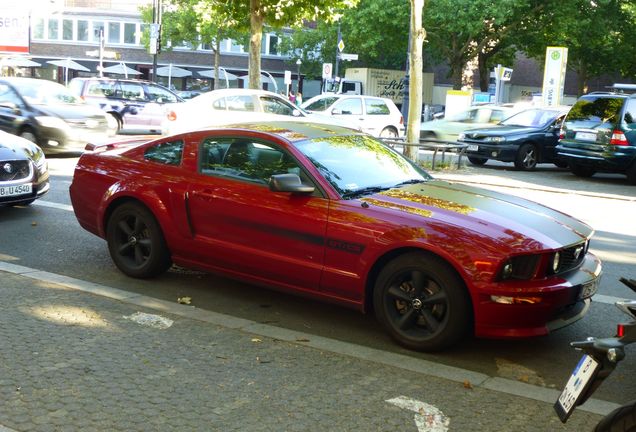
335 214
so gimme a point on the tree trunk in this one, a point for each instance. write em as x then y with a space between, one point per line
418 34
217 58
256 38
484 73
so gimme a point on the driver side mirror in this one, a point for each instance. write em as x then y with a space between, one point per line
336 111
288 183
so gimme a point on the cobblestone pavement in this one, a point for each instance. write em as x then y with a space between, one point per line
75 361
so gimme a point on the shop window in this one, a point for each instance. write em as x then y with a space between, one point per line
38 28
54 29
130 33
67 30
82 30
98 29
114 32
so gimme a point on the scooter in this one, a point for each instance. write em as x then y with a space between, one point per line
600 357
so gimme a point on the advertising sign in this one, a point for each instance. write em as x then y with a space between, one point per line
556 59
14 31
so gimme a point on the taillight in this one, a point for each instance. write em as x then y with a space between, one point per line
401 119
620 330
618 138
172 116
561 134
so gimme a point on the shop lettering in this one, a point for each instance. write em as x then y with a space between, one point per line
9 22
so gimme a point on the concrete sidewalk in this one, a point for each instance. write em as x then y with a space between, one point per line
80 356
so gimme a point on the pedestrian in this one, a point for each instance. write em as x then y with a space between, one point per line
292 97
299 99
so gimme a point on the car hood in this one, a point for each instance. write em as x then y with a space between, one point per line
500 131
71 111
15 148
512 221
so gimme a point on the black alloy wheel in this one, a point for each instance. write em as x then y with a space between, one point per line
527 157
136 243
422 302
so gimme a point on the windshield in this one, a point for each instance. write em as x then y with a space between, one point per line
41 92
358 163
531 118
321 104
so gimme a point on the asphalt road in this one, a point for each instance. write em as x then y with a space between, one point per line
46 236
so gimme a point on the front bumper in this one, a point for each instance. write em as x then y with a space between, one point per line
54 140
540 307
40 185
503 153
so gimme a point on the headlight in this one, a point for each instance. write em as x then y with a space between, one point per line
495 139
52 122
521 267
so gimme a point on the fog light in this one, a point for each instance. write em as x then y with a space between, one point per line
493 154
556 260
515 300
507 271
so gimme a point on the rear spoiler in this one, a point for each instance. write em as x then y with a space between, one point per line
125 142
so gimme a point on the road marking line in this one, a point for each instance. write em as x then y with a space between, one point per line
400 361
54 205
428 418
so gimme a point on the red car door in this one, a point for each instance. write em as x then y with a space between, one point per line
241 226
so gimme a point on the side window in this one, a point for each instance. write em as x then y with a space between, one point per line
7 95
630 113
240 103
160 95
167 153
245 159
276 106
348 106
101 88
219 104
132 91
496 116
376 107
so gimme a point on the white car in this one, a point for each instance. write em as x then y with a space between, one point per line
234 105
374 115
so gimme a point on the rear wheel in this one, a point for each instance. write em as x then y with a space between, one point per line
422 302
526 157
631 174
114 123
136 243
622 419
582 171
477 161
389 132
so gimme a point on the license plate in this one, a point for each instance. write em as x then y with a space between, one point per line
7 191
582 376
585 136
472 147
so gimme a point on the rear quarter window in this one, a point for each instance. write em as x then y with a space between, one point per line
166 153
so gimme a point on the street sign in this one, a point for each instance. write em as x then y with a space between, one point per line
506 74
288 79
326 70
341 45
106 54
349 57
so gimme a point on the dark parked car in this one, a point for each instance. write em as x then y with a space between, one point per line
47 114
334 214
599 134
131 104
526 139
24 174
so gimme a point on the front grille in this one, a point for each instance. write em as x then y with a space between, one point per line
572 257
14 170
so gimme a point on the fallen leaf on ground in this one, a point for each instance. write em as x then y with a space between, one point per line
468 385
184 300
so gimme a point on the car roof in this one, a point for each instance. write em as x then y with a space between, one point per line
241 91
113 79
293 130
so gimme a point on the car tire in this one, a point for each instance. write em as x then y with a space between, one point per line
114 123
621 419
427 135
136 242
527 157
582 171
477 161
422 302
29 134
389 132
631 174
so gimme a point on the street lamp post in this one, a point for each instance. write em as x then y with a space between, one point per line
298 63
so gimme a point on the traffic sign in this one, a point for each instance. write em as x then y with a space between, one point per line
341 45
346 57
326 70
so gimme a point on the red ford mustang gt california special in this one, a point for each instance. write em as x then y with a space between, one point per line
335 214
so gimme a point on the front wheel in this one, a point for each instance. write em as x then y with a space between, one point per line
622 419
582 171
422 302
526 157
136 243
29 134
477 161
